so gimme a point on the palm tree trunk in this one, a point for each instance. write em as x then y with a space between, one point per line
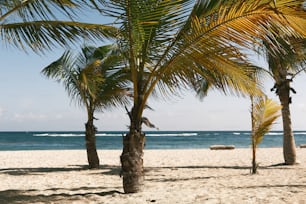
289 148
131 158
92 155
254 164
132 162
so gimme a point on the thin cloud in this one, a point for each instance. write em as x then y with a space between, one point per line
1 111
29 116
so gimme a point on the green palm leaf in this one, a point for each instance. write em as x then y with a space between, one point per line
41 35
92 78
43 24
168 42
215 32
264 114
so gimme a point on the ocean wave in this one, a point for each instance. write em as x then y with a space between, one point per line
109 134
112 134
72 135
171 134
300 133
58 135
274 133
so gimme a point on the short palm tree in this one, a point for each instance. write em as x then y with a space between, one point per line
165 43
284 66
94 79
264 112
41 25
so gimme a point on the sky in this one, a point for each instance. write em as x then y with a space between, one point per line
31 102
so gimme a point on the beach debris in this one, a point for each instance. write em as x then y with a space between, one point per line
222 147
303 146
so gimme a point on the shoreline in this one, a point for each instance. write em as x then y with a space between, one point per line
171 176
159 149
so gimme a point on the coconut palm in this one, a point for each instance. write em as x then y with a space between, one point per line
264 112
95 79
166 43
283 67
41 25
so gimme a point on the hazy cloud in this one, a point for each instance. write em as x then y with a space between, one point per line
1 111
29 116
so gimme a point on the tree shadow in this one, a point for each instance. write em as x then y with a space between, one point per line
104 169
111 170
39 170
115 170
196 167
283 166
161 178
274 186
29 196
274 166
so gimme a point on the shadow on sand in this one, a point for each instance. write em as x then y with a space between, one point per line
56 195
104 169
33 196
115 170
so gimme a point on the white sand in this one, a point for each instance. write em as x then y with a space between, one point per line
172 176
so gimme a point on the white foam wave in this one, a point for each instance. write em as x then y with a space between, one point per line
274 133
171 134
300 133
58 135
111 134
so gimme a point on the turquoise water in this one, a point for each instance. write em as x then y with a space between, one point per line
154 140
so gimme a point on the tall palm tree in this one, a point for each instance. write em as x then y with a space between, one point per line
95 79
167 42
283 67
264 112
41 25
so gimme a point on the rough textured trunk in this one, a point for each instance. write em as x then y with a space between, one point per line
254 167
289 148
132 161
92 155
254 164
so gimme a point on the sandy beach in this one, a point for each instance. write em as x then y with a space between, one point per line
172 176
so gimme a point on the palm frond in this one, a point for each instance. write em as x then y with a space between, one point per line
264 114
213 39
91 77
41 25
293 57
33 10
64 71
147 122
40 35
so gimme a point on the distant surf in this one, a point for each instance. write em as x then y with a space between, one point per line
176 134
52 140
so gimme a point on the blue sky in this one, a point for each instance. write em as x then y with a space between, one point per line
29 101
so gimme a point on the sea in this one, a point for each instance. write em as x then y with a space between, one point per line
72 140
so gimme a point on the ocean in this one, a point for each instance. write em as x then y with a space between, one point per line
154 140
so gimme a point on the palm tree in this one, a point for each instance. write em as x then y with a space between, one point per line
283 67
264 112
41 25
94 79
165 43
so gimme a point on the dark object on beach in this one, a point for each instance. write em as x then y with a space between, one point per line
303 146
222 147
